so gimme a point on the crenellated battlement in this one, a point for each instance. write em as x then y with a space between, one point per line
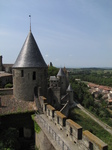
85 140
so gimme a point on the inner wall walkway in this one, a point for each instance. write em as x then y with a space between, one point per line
102 124
57 137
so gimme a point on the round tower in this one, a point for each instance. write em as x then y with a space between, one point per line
29 71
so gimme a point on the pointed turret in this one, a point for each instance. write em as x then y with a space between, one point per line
30 55
69 88
60 73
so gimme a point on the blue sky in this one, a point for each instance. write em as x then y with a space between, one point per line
70 33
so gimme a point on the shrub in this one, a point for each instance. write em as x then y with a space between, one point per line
9 85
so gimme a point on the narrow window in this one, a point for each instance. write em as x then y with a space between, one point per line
22 73
58 120
48 112
34 75
71 131
45 107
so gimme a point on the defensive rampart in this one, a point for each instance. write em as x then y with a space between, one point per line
81 140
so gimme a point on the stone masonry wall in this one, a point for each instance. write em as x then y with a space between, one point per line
6 91
24 85
42 142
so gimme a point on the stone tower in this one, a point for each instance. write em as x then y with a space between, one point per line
62 81
1 63
71 94
29 72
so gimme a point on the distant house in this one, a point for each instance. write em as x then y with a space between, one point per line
99 89
5 67
5 78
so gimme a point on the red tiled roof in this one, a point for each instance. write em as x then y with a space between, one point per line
106 88
110 100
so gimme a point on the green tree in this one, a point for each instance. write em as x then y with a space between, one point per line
52 71
9 139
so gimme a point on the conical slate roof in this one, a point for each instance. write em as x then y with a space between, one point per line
69 88
30 55
61 73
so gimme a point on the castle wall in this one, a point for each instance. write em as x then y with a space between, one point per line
90 141
6 91
54 97
26 80
42 142
50 112
5 79
59 120
73 131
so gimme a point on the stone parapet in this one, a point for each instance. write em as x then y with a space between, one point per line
90 141
73 131
60 119
50 112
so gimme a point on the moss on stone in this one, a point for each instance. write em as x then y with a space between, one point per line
36 126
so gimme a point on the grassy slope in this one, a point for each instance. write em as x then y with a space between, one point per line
88 124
